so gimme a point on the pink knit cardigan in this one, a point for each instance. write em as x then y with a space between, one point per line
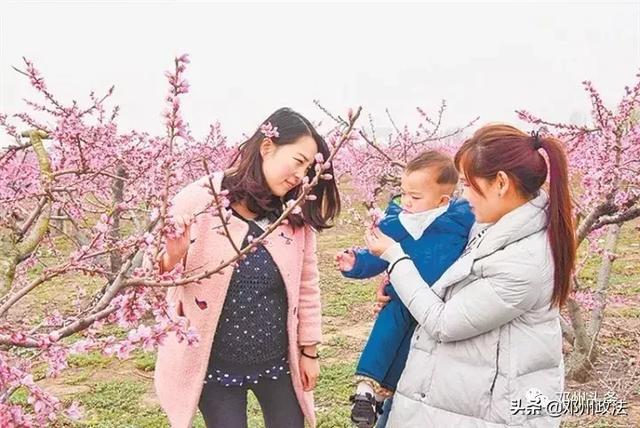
180 369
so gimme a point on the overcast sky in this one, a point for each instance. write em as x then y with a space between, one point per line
485 59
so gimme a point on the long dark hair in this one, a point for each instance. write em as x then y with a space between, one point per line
495 148
246 183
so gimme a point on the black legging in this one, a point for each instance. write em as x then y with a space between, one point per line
226 407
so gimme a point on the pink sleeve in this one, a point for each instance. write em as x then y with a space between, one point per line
190 200
309 306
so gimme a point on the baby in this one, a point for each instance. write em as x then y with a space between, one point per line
432 227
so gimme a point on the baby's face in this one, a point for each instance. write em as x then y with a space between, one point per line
421 192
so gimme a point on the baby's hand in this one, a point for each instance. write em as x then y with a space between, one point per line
345 260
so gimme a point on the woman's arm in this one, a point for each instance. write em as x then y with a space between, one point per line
309 311
483 305
506 292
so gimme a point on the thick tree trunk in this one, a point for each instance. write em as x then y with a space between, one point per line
585 348
15 246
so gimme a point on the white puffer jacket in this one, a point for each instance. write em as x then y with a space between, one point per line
486 334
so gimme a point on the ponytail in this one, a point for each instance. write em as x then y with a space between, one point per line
561 230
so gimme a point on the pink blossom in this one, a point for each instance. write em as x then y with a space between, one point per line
375 215
148 238
269 131
184 58
153 215
297 210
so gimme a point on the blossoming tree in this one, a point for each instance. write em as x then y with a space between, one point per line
84 212
604 159
374 163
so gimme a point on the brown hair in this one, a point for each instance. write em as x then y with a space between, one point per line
447 175
495 148
246 182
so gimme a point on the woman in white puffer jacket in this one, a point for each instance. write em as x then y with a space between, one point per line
488 336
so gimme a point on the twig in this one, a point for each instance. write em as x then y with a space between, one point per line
392 121
218 204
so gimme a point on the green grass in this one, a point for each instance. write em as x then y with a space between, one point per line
93 359
348 294
19 396
331 348
331 395
625 275
341 295
624 312
116 404
145 361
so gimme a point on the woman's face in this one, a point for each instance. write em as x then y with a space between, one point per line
487 208
284 166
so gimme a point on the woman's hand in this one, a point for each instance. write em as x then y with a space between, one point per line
309 369
177 248
381 298
377 242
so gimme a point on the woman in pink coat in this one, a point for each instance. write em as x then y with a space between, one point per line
259 322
